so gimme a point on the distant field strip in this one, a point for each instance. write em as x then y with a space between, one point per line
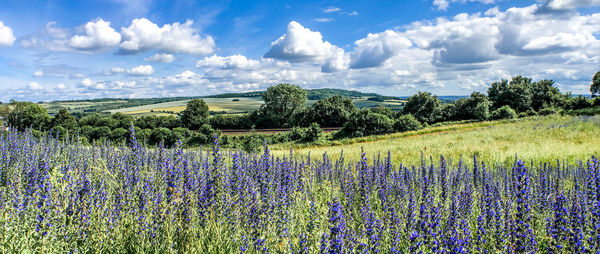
214 104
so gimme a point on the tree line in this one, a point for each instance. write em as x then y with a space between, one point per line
286 106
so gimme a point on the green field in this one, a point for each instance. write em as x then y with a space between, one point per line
537 138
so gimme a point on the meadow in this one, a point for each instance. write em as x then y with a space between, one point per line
59 197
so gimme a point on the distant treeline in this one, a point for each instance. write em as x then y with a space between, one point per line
286 106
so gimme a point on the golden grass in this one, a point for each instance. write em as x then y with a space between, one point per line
537 138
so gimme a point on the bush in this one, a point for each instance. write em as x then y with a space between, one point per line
504 112
548 111
230 122
407 123
366 123
580 102
252 143
308 134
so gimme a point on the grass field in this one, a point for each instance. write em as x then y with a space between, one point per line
537 138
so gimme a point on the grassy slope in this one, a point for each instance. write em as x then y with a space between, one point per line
537 138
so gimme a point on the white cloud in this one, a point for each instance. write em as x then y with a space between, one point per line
143 35
444 4
572 4
7 37
353 13
324 20
34 86
87 82
141 70
332 9
98 35
61 86
38 74
229 62
162 58
300 44
376 48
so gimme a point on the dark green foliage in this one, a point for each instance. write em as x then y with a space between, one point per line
323 93
330 112
119 135
162 135
28 115
384 111
230 121
548 111
545 94
180 133
364 123
475 107
282 102
517 93
59 131
64 120
100 132
595 87
580 102
446 112
407 123
124 120
92 120
195 114
504 112
252 143
235 100
308 134
422 106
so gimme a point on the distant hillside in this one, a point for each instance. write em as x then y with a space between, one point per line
313 94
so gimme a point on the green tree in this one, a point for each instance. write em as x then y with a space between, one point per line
195 114
65 120
282 102
364 123
475 107
119 135
26 114
516 93
330 112
595 87
422 106
407 123
504 112
545 95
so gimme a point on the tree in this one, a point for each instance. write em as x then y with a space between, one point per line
595 87
330 112
282 102
364 123
65 120
195 114
26 114
422 106
407 123
545 95
516 93
475 107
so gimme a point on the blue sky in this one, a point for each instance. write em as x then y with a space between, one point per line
56 50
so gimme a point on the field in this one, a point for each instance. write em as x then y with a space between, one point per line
228 106
532 187
538 138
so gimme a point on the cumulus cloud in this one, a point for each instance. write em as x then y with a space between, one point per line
38 74
61 86
444 4
7 37
376 48
229 62
300 44
98 35
162 58
143 35
141 70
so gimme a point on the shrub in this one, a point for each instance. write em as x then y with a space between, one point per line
580 102
365 123
504 112
407 123
252 143
308 134
548 111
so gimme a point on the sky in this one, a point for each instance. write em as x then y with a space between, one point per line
65 50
